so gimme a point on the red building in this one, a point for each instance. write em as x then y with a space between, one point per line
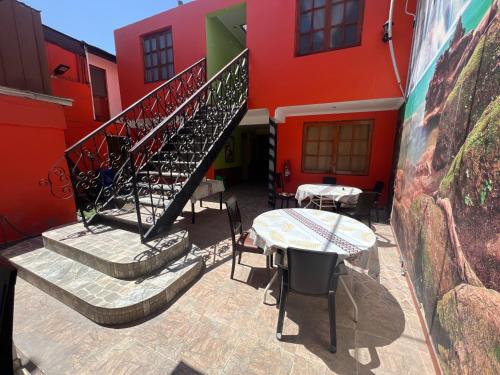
54 90
320 69
89 78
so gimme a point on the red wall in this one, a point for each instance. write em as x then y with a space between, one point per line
278 78
29 146
80 116
290 135
188 33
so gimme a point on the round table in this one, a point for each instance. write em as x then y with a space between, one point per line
315 230
323 195
312 230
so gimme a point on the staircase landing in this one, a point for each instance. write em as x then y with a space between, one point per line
85 269
116 252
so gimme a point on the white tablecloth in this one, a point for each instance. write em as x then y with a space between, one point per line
312 230
207 188
338 193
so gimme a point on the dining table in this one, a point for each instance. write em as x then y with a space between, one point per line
205 189
315 230
325 196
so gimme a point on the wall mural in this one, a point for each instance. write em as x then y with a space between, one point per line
446 212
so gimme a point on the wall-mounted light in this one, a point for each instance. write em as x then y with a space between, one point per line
244 27
60 69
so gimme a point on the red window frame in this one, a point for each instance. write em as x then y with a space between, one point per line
157 68
326 6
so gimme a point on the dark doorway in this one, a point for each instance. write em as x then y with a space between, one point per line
255 153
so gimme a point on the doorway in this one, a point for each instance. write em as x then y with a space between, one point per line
255 158
99 93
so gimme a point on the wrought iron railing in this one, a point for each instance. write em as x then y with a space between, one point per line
169 163
98 164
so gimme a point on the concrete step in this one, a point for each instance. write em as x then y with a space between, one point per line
113 251
100 297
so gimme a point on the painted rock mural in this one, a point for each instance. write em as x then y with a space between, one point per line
446 211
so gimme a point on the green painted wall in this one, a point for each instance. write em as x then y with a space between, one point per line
220 162
222 46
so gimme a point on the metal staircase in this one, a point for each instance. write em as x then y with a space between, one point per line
152 156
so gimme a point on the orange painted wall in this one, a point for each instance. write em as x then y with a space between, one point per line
290 135
80 116
29 146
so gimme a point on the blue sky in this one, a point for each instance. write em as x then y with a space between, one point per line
94 20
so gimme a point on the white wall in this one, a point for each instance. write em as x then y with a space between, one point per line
115 103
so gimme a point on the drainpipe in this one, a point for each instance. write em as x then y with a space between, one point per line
388 38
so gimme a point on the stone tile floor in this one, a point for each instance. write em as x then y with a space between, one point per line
221 326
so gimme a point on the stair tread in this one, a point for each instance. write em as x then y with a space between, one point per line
114 245
164 174
125 215
91 286
131 218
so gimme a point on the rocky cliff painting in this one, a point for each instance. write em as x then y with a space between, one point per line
446 211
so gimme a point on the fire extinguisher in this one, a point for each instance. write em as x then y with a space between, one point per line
286 170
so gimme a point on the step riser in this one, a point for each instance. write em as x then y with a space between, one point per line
119 270
115 316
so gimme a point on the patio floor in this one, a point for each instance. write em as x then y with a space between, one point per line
221 326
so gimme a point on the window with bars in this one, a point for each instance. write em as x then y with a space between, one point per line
337 147
324 25
158 56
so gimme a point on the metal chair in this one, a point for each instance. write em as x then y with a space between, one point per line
309 272
241 239
330 180
279 191
377 188
363 207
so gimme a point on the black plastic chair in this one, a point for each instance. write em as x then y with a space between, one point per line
241 239
313 273
329 180
363 207
279 191
8 275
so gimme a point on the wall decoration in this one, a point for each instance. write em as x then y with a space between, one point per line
229 150
446 211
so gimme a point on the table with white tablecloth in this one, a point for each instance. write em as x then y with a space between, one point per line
315 230
311 230
323 195
205 189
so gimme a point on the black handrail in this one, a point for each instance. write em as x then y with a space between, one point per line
183 146
98 163
130 107
152 133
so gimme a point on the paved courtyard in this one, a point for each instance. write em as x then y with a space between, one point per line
222 326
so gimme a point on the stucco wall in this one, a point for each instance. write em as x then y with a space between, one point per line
29 146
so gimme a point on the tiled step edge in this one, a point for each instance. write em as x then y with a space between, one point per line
173 279
178 244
